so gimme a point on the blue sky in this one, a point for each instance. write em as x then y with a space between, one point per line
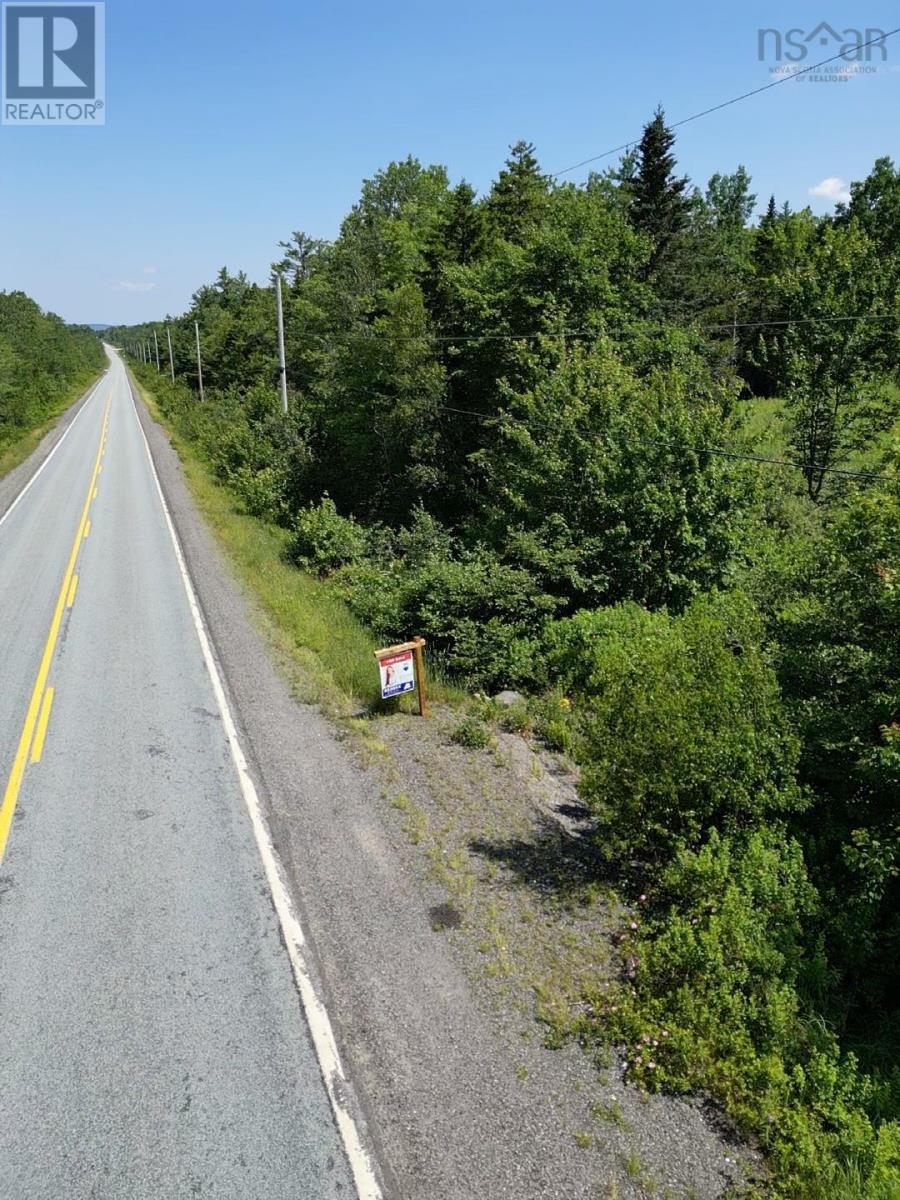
231 124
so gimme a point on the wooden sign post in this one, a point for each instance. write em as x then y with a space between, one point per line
403 670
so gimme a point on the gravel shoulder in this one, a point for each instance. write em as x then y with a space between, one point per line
446 934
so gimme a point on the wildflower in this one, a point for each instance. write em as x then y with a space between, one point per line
642 898
652 1065
634 924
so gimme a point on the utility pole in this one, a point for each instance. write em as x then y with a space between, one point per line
281 356
156 344
199 360
171 358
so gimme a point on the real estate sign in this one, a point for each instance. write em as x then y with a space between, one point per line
398 674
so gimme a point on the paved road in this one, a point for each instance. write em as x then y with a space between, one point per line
152 1043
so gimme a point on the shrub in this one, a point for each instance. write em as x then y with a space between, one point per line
555 721
517 718
323 540
682 725
482 616
839 665
472 734
715 964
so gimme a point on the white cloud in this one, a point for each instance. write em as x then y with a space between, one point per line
832 188
129 285
151 271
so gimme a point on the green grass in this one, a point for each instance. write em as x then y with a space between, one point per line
17 445
329 654
767 428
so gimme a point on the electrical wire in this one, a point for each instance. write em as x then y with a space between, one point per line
581 334
727 103
717 451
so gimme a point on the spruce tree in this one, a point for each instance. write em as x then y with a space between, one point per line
659 206
519 197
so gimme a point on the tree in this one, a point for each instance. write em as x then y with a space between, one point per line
301 254
42 363
519 196
685 720
839 666
714 263
593 481
837 337
875 205
659 207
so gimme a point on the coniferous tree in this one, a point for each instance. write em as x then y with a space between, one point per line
659 206
518 199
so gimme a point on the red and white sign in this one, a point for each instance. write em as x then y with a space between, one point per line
398 674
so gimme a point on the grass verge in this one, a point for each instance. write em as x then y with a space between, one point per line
328 653
23 444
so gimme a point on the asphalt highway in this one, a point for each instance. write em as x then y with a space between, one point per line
153 1042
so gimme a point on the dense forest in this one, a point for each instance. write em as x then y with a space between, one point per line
630 449
43 364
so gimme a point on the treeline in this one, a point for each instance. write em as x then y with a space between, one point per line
43 364
524 425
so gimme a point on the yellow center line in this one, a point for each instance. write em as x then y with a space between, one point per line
70 599
14 784
87 529
40 736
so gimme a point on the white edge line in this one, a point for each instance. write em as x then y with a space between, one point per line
320 1027
33 480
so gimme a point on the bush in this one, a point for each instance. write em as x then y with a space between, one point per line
323 540
715 964
555 721
472 734
482 616
682 725
839 665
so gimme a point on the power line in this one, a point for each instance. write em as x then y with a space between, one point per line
776 462
727 103
717 451
371 337
576 334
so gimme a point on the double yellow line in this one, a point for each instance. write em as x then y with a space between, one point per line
34 731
